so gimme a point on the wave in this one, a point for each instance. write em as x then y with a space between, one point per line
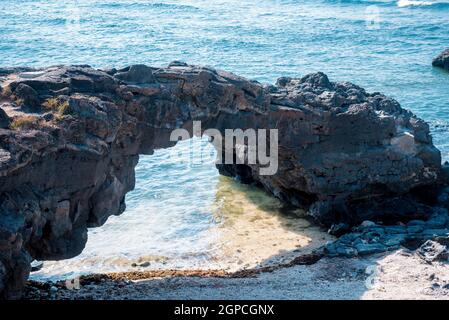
155 5
396 3
422 3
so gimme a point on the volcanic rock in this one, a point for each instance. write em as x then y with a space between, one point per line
434 250
344 155
4 119
442 60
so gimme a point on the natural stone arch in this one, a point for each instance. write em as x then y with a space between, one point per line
71 137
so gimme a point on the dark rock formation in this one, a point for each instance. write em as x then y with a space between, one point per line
442 61
4 120
67 157
435 250
370 237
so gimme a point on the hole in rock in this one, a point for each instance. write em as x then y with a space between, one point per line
184 215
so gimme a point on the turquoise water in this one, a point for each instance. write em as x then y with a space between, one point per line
383 46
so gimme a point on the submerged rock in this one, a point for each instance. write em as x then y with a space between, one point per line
442 61
344 156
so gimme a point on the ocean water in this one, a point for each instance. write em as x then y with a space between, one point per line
173 217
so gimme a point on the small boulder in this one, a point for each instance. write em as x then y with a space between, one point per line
339 229
136 74
442 61
433 250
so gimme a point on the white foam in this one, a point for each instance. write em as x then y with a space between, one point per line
410 3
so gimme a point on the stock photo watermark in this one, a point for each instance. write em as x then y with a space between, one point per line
372 273
258 147
372 17
72 16
78 30
73 284
376 24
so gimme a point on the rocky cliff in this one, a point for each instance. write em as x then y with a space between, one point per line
70 137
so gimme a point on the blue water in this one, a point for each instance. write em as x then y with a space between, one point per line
264 41
383 46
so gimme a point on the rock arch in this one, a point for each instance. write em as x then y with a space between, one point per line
70 137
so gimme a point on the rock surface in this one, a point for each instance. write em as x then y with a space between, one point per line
73 134
4 120
442 61
369 238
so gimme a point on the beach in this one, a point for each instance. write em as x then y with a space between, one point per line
397 275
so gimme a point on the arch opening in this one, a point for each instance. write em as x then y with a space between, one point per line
184 215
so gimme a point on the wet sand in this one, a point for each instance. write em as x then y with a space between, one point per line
258 230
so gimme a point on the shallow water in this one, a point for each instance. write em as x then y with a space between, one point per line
171 219
183 215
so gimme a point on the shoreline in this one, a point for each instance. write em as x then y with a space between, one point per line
425 243
127 276
401 274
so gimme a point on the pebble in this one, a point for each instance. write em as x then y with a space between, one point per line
145 264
